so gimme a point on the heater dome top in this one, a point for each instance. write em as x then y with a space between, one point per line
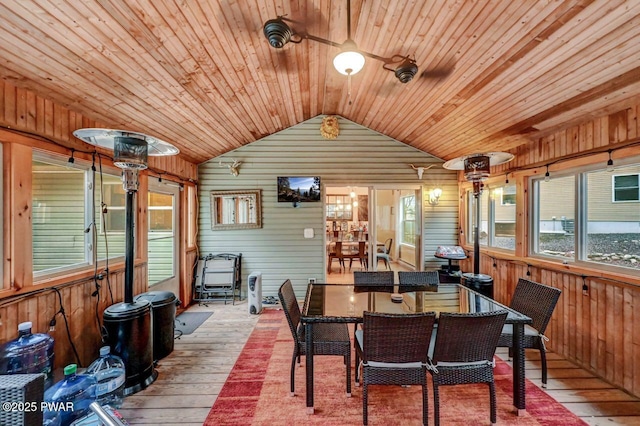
106 138
495 158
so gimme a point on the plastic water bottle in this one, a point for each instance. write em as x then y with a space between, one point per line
110 375
28 353
70 398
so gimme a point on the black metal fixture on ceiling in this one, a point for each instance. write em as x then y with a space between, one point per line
477 169
350 60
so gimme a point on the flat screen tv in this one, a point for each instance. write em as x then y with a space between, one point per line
303 189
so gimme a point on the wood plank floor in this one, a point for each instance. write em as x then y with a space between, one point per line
191 377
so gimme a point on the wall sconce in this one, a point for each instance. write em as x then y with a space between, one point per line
434 196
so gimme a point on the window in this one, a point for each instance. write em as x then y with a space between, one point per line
607 229
162 236
339 207
555 223
626 188
109 210
497 226
507 195
59 217
408 220
66 226
613 217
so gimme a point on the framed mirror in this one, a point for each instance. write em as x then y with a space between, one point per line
236 209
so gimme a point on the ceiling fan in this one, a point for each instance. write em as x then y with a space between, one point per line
350 60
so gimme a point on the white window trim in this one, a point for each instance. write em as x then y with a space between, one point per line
580 214
613 188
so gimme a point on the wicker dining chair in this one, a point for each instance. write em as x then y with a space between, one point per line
393 349
328 338
538 302
373 278
418 281
463 353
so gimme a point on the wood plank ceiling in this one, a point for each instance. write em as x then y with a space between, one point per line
201 74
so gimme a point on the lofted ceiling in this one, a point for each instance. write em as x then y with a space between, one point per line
200 74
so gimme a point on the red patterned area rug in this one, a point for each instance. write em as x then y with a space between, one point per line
257 392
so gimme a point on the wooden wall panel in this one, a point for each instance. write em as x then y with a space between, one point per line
80 308
25 111
30 121
596 327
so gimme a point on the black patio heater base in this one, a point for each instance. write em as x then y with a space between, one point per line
129 328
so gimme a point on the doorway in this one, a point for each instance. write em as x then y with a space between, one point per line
163 236
397 226
372 214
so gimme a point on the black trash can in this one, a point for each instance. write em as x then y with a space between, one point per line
481 283
163 308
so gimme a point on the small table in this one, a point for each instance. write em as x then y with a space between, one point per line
346 303
450 257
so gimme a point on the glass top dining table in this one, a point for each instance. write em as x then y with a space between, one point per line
346 304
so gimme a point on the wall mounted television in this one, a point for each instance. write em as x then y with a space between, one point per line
295 189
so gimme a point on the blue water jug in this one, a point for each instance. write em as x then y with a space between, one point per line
110 375
70 398
28 353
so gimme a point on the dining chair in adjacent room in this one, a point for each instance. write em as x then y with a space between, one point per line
384 253
336 252
465 344
328 338
361 255
538 302
393 349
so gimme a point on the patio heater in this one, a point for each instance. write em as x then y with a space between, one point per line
128 323
477 169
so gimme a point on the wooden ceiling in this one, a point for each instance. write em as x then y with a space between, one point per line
201 75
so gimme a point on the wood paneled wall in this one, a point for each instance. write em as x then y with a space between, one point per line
29 121
25 111
595 323
82 311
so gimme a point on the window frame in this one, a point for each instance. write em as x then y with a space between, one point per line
404 220
613 188
581 214
490 212
90 241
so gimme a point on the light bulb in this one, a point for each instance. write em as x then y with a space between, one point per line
610 166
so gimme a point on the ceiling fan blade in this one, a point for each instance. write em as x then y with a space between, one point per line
436 73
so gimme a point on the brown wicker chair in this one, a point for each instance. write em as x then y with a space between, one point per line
538 302
373 278
328 338
393 349
418 281
463 353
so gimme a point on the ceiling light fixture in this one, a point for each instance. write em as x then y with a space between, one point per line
610 166
350 60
